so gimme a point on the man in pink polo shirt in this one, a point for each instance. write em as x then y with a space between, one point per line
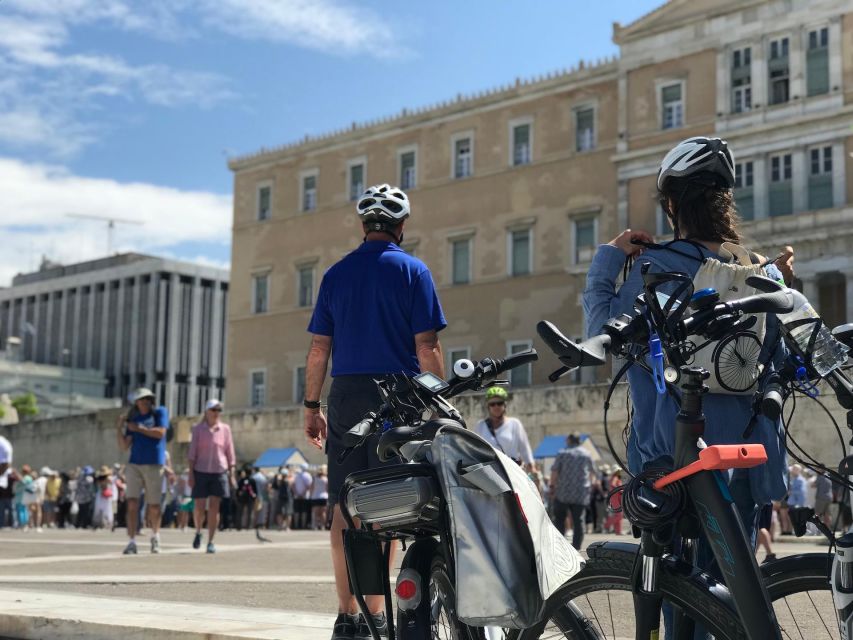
212 470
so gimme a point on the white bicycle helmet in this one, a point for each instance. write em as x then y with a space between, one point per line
383 204
699 155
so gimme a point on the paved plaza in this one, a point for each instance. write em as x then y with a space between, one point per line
76 584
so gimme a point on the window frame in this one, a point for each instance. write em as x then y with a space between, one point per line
351 164
513 125
254 300
576 110
575 257
456 137
304 175
252 372
300 267
770 58
452 240
663 84
823 47
741 174
448 365
296 398
260 186
510 256
401 151
526 344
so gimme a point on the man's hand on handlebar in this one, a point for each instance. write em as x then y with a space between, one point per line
315 427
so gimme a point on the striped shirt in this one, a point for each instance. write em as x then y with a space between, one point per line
211 450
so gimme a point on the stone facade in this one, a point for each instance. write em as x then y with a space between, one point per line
572 189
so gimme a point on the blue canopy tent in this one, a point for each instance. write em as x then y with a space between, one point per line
275 458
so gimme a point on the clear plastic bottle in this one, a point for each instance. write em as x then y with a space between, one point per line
828 353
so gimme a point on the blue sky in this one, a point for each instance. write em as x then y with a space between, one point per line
130 109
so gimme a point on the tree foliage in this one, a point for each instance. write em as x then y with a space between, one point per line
26 405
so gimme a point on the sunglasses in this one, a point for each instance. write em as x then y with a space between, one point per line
497 404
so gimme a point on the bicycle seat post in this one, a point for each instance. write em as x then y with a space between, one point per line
690 422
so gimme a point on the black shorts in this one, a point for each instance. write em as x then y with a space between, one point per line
210 484
765 517
350 398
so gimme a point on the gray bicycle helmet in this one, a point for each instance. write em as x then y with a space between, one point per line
699 155
383 204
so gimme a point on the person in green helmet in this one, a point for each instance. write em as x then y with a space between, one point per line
502 432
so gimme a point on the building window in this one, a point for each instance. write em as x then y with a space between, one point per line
741 80
820 178
454 354
298 385
744 191
408 170
780 200
309 193
463 155
306 286
258 388
817 62
585 232
461 257
356 180
520 376
672 106
832 298
521 144
778 71
520 252
264 202
260 293
584 129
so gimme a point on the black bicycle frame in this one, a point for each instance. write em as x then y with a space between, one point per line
724 530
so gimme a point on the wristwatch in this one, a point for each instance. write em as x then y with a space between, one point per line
311 404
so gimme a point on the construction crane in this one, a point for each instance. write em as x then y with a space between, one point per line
111 225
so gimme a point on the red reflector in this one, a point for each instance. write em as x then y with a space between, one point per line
520 508
406 589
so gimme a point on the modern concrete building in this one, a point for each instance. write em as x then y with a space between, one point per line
513 189
137 319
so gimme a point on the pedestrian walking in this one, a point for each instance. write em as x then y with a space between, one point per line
505 434
319 498
284 499
823 498
84 496
302 480
5 455
8 478
212 463
51 498
377 313
247 493
102 516
262 504
572 476
143 431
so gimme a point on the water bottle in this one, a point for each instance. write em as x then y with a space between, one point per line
828 353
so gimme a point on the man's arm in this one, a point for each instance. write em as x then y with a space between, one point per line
315 375
122 439
428 350
152 432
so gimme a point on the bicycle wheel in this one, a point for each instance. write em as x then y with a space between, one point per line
444 625
597 603
802 597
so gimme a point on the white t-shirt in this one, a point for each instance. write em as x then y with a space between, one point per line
40 484
5 451
302 484
510 438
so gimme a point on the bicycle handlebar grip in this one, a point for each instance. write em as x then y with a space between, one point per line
772 400
515 360
359 432
776 302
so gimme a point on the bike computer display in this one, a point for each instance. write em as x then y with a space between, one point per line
431 382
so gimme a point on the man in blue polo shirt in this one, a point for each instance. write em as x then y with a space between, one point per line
377 313
143 431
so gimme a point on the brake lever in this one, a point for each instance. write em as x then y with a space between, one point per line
559 373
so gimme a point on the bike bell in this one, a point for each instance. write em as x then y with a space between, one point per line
704 299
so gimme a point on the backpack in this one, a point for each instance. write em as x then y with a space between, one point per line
733 360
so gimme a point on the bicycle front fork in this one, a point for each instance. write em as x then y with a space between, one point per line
842 585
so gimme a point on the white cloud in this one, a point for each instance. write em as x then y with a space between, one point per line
35 199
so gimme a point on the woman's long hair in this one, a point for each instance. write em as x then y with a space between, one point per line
702 208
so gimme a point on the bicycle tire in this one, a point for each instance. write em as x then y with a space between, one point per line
610 566
801 574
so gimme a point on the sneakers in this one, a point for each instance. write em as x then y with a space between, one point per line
363 631
155 545
769 558
211 548
197 540
345 627
130 548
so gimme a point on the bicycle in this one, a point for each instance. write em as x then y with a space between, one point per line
412 502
